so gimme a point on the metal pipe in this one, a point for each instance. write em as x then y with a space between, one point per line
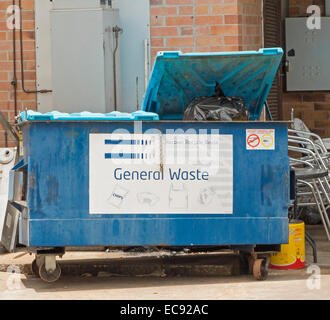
312 244
14 81
310 134
22 58
319 204
305 141
116 31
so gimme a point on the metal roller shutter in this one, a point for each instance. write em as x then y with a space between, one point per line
273 38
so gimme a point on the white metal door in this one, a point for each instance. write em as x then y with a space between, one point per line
43 54
134 19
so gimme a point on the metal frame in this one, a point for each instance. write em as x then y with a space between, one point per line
315 157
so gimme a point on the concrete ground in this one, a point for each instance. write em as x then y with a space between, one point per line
161 275
284 285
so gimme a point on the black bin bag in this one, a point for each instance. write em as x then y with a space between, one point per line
216 108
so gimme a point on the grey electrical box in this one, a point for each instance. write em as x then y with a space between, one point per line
307 53
82 47
82 4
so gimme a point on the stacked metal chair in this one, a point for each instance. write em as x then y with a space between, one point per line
311 165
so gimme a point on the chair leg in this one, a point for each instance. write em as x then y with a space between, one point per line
324 216
313 245
319 203
328 200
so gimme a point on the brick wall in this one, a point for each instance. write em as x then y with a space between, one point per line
205 25
312 107
298 8
251 28
6 63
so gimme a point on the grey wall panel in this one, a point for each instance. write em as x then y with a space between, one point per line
43 54
134 18
309 67
79 60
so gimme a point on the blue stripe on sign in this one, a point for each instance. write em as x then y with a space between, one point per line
122 156
130 142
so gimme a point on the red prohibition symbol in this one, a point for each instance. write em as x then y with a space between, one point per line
253 140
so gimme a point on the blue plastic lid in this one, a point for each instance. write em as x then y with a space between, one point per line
139 115
178 78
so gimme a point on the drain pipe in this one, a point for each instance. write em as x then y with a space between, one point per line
116 31
14 81
22 58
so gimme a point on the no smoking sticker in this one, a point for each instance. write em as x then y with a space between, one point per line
260 139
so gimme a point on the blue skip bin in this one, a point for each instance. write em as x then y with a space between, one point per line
151 179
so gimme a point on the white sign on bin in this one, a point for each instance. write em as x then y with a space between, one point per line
160 174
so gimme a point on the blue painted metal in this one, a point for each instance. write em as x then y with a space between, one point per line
178 78
57 158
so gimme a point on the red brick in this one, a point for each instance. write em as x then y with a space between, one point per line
202 30
157 42
186 10
3 55
322 124
163 31
6 65
209 20
6 105
5 45
186 31
199 2
180 21
157 21
3 75
209 40
163 11
5 4
3 95
322 106
180 42
3 35
179 2
187 49
232 40
233 19
224 29
28 25
225 9
202 10
27 15
217 48
27 4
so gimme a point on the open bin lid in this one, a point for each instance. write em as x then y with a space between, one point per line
178 78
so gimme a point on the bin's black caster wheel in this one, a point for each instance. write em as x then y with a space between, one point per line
260 269
35 268
49 276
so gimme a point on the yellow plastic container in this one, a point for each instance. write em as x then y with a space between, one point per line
292 255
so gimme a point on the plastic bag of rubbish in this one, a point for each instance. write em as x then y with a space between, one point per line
216 108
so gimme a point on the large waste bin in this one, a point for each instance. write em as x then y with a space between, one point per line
150 178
